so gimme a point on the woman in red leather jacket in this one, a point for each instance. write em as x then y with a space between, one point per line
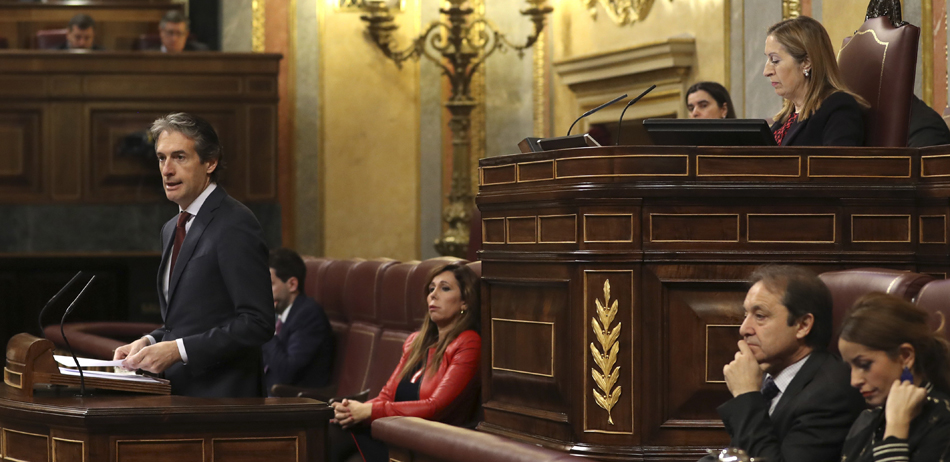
438 375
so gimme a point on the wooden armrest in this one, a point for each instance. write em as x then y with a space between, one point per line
289 391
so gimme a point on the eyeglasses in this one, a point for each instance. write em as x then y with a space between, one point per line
173 33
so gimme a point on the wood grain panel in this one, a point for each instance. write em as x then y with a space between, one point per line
608 227
21 86
791 228
536 359
262 152
25 447
753 166
622 166
21 151
522 230
859 166
502 174
554 229
66 150
254 449
933 229
493 231
880 228
156 86
122 163
536 171
67 450
694 351
694 227
720 349
540 301
935 166
190 450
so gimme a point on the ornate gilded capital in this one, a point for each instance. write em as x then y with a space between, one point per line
791 9
622 12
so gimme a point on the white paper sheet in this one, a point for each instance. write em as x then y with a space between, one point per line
109 375
86 362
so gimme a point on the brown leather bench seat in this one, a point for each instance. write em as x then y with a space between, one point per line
373 306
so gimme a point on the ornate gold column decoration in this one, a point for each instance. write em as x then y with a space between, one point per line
257 26
791 9
459 46
606 356
622 12
539 83
927 46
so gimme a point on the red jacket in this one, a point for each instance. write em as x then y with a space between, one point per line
450 396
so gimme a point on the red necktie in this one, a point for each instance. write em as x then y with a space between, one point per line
179 238
277 327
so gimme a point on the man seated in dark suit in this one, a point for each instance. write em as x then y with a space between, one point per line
792 400
173 30
80 34
301 352
213 279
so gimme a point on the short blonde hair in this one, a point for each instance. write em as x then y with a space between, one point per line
805 38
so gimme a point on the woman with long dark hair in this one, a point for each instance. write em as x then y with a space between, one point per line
438 375
902 368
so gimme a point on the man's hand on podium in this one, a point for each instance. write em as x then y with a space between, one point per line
130 349
155 358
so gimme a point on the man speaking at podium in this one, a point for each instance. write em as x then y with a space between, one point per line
213 281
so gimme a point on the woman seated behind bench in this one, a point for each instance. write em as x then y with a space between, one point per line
902 368
437 377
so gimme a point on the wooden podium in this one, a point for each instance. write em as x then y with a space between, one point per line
54 424
613 278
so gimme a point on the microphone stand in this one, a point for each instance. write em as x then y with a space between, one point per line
52 300
620 122
82 379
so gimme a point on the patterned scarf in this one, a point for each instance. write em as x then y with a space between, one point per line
780 133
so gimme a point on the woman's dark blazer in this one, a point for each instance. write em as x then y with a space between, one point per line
929 437
838 122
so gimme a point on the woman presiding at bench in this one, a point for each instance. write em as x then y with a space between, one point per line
437 377
891 350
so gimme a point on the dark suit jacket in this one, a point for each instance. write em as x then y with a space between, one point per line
810 422
838 122
925 127
302 353
219 301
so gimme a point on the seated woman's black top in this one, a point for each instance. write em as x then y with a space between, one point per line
838 122
929 437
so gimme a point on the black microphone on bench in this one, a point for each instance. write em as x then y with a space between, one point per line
53 300
631 103
82 379
608 103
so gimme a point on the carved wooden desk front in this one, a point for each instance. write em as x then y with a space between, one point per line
652 246
125 428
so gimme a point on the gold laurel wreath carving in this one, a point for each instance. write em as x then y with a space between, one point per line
606 356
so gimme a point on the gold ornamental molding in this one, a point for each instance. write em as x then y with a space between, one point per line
606 356
791 9
622 12
257 26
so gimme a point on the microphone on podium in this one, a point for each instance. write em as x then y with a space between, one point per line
82 379
53 300
608 103
631 103
532 144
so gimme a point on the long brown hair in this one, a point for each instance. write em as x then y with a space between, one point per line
884 322
428 336
804 37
